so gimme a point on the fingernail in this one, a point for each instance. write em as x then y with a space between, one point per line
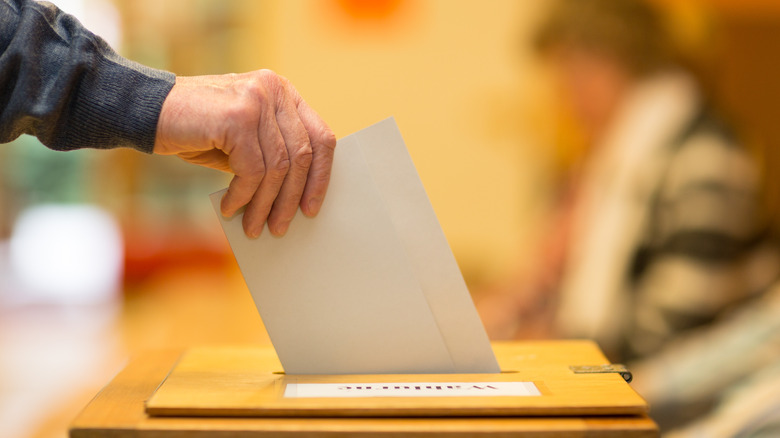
253 234
282 228
314 205
222 207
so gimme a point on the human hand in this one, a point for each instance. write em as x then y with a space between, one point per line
256 126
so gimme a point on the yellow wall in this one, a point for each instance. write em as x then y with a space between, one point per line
453 75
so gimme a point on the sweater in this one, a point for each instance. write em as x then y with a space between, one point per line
64 85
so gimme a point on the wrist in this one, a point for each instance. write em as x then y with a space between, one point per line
162 145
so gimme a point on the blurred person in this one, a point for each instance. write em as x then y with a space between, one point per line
67 87
658 236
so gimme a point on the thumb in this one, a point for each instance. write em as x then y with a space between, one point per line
214 158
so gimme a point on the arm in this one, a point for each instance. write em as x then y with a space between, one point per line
66 86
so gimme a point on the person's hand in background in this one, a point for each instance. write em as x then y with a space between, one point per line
256 126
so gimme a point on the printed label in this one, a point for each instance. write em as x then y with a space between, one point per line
411 389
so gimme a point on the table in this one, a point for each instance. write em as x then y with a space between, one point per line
118 411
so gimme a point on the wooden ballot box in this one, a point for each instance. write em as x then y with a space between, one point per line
546 388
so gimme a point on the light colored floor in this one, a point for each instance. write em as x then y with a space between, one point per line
53 360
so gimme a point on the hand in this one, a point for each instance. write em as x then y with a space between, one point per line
258 127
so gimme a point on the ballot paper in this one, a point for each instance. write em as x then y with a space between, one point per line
370 285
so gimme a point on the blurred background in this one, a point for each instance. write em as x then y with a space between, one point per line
476 104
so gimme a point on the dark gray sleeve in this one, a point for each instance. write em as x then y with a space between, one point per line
66 86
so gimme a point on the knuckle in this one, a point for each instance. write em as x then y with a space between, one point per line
280 166
270 79
302 157
261 89
242 113
266 73
324 137
249 89
254 90
329 138
255 172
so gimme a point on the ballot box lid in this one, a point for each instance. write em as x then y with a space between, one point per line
543 378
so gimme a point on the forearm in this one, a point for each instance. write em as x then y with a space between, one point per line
66 86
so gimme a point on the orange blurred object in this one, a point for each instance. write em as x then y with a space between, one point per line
153 251
370 9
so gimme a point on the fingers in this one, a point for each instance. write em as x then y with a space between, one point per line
299 152
278 148
323 145
245 160
276 164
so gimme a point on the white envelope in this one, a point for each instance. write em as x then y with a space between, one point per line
370 285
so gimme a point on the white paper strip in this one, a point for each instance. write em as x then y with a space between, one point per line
411 389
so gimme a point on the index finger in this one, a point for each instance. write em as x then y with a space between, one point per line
246 162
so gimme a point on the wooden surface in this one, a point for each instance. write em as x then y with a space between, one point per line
247 382
118 411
